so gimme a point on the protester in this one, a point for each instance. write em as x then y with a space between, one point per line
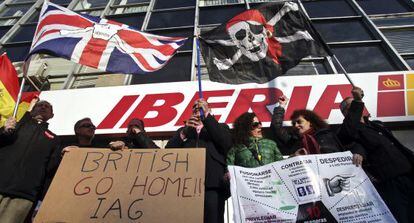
136 135
388 162
309 133
85 134
29 153
250 149
203 131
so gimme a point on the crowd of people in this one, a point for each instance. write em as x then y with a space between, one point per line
30 153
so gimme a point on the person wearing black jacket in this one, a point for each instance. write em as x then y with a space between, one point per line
309 134
29 153
205 132
387 161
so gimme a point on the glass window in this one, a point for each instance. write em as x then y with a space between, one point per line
394 21
307 68
24 33
357 59
87 4
56 82
21 1
165 4
7 22
19 51
165 19
4 30
221 2
14 10
133 20
128 9
178 33
410 62
177 69
219 15
85 81
61 2
125 2
401 39
384 6
34 17
331 8
343 30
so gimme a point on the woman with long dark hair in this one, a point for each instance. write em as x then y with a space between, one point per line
309 134
250 148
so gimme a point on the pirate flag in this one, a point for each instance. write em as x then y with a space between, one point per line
260 44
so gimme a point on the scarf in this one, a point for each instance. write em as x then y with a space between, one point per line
309 142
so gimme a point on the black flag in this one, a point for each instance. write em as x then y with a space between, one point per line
260 44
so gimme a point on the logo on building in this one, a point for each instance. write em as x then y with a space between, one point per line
390 83
395 95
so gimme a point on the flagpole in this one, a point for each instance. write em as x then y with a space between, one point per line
325 45
19 96
200 91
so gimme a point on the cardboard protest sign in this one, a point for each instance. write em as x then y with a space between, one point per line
141 185
312 188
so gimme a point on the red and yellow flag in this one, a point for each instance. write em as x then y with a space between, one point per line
9 89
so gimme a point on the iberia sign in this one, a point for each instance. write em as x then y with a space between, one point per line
164 107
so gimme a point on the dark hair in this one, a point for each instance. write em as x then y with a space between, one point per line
242 127
77 124
310 116
43 102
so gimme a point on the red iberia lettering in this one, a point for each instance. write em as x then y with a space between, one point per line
246 101
327 101
165 111
298 100
117 112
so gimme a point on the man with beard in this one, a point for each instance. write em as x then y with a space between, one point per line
29 153
203 131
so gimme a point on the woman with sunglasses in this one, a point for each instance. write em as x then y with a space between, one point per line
250 148
309 133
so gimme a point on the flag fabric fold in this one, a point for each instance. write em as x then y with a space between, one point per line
260 44
9 90
100 43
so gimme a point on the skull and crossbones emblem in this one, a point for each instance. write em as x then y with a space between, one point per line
250 38
253 37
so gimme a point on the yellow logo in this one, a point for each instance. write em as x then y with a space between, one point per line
389 83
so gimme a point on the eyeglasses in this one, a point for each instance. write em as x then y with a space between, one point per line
91 126
255 125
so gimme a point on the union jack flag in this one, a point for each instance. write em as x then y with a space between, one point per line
100 43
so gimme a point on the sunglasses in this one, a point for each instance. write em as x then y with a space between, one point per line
87 126
255 125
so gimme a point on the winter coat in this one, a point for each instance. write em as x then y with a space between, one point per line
259 152
28 156
386 157
216 138
289 141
